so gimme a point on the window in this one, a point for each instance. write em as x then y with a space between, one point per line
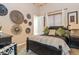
38 25
54 20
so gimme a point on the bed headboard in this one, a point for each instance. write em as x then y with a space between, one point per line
56 27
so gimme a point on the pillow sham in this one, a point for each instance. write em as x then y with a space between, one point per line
52 32
62 32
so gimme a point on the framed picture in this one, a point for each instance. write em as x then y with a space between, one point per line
73 17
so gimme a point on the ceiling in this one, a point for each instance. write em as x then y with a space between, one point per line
40 4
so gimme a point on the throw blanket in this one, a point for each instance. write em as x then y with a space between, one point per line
52 41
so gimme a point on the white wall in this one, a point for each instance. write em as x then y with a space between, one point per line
7 24
50 7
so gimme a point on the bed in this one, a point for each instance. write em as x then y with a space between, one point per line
47 45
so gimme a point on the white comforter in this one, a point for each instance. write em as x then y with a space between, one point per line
53 41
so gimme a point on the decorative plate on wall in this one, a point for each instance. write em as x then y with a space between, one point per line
25 21
17 17
30 23
16 29
28 16
28 30
3 10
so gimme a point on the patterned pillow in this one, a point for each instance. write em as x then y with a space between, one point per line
52 32
60 32
67 33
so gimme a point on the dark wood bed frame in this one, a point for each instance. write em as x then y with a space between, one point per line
43 49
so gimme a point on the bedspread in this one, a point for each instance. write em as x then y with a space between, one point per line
52 41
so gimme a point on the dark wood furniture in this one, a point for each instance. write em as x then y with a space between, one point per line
5 39
10 49
74 41
6 45
56 27
43 49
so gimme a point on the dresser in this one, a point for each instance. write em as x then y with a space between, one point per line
10 49
5 39
74 41
7 47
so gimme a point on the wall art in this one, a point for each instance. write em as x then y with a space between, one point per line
16 17
3 10
28 16
25 21
28 30
30 23
73 17
16 29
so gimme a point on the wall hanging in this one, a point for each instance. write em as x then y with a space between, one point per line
28 30
16 29
3 10
73 17
28 16
16 17
25 21
30 23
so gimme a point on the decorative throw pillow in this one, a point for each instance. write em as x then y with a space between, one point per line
60 32
67 33
46 31
52 32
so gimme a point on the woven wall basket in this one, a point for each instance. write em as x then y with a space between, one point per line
3 10
16 29
16 17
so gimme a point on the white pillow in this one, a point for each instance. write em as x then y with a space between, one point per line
52 32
